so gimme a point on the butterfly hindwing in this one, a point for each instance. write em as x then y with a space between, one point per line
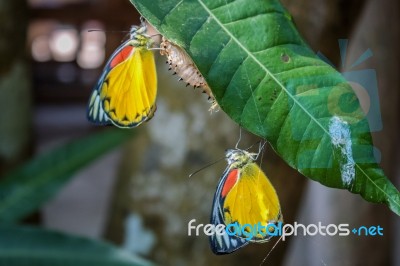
126 91
95 112
252 200
223 244
129 90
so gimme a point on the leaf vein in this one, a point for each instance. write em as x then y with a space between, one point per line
273 12
197 31
283 88
275 46
252 97
223 5
234 74
170 11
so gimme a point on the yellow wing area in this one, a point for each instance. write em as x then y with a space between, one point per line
130 88
252 199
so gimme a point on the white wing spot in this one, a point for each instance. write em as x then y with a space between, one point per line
226 240
96 107
102 114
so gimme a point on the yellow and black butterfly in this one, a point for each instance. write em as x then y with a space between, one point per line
244 196
126 92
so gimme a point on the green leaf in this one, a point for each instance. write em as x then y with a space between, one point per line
20 246
28 187
266 78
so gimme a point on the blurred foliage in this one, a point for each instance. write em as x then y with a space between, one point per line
32 246
25 189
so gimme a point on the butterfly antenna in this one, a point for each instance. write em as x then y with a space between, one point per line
240 137
118 31
207 165
273 247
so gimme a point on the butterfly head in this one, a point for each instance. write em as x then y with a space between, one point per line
138 35
236 158
138 30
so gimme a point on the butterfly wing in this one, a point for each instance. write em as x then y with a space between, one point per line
95 111
223 244
126 92
250 198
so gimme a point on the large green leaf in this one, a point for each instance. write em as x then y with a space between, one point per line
20 246
266 78
28 187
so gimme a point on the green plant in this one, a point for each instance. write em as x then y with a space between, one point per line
266 78
24 190
20 245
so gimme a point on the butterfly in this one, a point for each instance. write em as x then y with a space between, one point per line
244 196
126 92
183 66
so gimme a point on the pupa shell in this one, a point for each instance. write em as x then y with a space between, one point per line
184 67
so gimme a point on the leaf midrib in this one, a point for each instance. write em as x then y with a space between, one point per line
284 89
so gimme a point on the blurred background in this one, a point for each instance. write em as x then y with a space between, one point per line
138 195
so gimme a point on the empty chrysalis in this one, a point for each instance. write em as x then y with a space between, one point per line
184 67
